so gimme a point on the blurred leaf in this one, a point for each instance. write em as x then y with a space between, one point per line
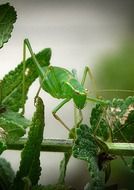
13 124
30 164
12 84
6 174
7 19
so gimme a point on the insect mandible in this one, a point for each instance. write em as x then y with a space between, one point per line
61 84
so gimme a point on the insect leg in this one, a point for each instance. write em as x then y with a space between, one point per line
37 94
56 116
86 72
40 71
78 120
24 68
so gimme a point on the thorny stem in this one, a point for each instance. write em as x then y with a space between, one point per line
63 145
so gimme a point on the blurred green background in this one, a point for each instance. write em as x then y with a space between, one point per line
115 70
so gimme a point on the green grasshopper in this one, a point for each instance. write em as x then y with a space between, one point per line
61 84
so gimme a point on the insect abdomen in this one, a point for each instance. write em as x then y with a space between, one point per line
54 81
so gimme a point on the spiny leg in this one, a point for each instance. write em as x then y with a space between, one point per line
44 77
88 72
23 80
27 44
77 121
56 116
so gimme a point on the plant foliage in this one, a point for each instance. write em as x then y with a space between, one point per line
12 83
6 174
7 19
115 121
30 164
86 148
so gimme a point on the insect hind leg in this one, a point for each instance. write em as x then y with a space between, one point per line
76 121
57 117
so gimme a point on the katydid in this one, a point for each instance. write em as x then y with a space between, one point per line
61 84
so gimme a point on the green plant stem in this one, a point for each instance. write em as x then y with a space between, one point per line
50 145
61 145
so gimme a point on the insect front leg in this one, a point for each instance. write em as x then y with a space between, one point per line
23 80
88 72
57 117
26 44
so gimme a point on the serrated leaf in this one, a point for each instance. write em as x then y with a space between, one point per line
85 144
14 125
124 128
53 187
86 148
7 19
12 83
30 163
98 123
117 118
6 174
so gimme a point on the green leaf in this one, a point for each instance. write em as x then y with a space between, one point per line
85 144
7 19
53 187
117 119
6 174
30 163
14 125
98 123
12 83
86 148
124 125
